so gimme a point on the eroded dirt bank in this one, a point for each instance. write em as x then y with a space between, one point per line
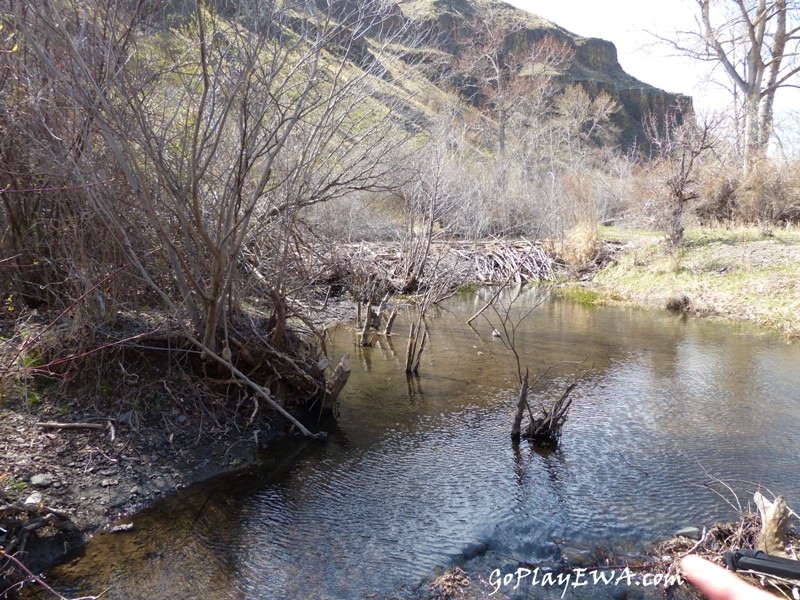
89 478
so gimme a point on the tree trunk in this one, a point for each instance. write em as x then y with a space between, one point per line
424 341
765 117
279 318
752 137
411 350
389 322
335 385
209 332
365 337
676 223
522 402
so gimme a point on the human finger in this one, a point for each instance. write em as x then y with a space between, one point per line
718 583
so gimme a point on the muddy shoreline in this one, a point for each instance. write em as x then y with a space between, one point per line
95 480
150 431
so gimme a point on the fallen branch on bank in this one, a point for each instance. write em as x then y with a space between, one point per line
19 519
260 391
55 425
449 584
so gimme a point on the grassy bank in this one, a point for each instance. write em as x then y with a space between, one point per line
742 274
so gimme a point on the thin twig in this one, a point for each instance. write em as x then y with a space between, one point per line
41 581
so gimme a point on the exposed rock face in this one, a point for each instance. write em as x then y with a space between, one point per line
597 69
595 66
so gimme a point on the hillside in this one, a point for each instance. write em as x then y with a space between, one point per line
595 65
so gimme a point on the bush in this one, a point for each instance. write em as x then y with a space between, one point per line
768 194
580 244
718 198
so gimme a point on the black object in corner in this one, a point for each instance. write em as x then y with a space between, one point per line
755 560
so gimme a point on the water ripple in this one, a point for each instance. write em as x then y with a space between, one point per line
422 470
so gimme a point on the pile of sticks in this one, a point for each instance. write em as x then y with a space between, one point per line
21 518
498 261
483 262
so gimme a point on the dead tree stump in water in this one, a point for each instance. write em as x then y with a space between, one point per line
390 321
416 345
336 383
547 423
367 324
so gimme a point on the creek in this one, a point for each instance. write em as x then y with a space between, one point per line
420 473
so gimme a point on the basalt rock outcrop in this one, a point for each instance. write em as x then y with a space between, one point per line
595 66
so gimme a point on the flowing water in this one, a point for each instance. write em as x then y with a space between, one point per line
419 473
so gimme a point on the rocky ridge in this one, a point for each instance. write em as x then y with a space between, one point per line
596 66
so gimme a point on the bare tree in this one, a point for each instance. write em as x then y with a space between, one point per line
584 122
54 247
545 424
681 149
503 70
756 43
239 120
428 203
197 137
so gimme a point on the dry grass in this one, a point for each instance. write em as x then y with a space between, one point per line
450 584
738 274
580 245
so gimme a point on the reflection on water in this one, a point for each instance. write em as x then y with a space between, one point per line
419 470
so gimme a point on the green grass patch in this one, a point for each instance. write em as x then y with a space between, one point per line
580 294
469 288
11 486
742 274
31 397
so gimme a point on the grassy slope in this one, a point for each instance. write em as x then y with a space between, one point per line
738 274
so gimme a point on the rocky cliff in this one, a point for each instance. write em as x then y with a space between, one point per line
595 65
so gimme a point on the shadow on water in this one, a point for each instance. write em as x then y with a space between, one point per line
420 472
171 547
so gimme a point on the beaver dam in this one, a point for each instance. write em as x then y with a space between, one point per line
496 261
